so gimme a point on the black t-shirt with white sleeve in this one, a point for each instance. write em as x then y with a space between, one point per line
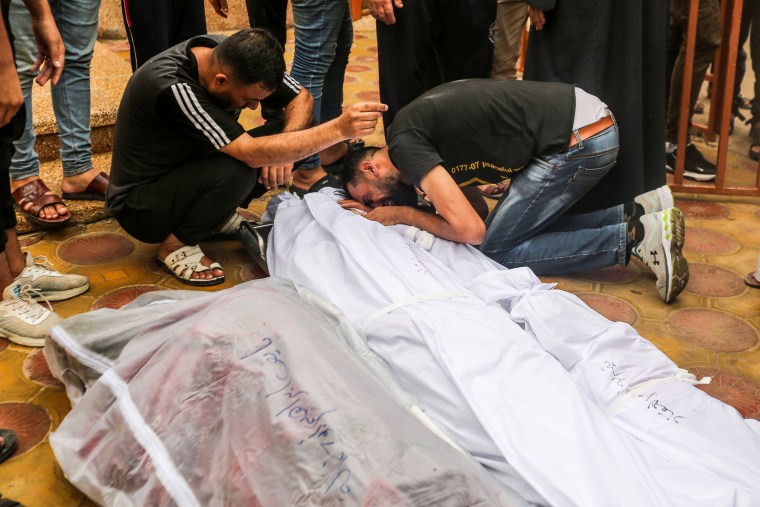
166 119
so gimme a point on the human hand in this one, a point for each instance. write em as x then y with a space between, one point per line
388 215
382 10
354 205
11 97
360 120
220 7
536 17
275 175
50 50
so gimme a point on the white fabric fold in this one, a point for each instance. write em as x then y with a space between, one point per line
529 380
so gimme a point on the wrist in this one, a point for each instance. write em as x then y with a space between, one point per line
336 132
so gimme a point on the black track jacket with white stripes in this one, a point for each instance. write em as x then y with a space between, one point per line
167 119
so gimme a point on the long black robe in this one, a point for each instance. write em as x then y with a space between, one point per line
614 49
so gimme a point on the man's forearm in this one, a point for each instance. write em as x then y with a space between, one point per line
358 120
439 227
298 113
433 223
38 8
284 148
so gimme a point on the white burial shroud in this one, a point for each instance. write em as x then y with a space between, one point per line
560 404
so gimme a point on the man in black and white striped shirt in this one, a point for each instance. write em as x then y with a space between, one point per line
181 161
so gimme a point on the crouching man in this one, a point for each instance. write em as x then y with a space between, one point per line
182 163
554 142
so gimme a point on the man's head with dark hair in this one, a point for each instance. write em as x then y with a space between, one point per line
373 180
246 67
252 56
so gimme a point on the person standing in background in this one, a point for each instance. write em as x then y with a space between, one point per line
77 22
324 34
156 25
508 29
511 16
696 167
424 43
615 51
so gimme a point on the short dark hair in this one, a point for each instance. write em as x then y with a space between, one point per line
352 161
252 56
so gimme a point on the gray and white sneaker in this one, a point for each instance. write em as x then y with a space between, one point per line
661 252
24 321
45 282
655 200
661 199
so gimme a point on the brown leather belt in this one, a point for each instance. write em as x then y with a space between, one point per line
591 130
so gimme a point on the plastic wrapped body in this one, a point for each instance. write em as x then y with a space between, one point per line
256 395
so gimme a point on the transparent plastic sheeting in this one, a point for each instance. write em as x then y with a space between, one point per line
256 395
560 404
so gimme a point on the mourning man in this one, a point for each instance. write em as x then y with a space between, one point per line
554 142
181 161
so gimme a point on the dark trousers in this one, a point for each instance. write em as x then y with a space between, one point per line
194 200
432 42
156 25
707 42
8 134
749 29
269 15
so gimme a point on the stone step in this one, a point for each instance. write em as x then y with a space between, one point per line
108 77
111 21
110 71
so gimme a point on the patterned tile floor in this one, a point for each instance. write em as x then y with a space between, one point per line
712 329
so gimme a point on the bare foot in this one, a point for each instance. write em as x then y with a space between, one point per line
78 182
172 244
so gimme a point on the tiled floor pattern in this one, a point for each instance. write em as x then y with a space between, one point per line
712 329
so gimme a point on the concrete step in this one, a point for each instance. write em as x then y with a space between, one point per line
108 77
110 71
111 21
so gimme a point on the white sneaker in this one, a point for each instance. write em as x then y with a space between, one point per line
656 200
25 322
661 252
661 199
232 224
45 282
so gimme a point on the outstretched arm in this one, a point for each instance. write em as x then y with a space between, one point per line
358 120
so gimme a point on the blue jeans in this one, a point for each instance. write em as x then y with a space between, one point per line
529 226
324 34
77 22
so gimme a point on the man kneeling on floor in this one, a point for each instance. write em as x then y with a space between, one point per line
555 142
182 163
